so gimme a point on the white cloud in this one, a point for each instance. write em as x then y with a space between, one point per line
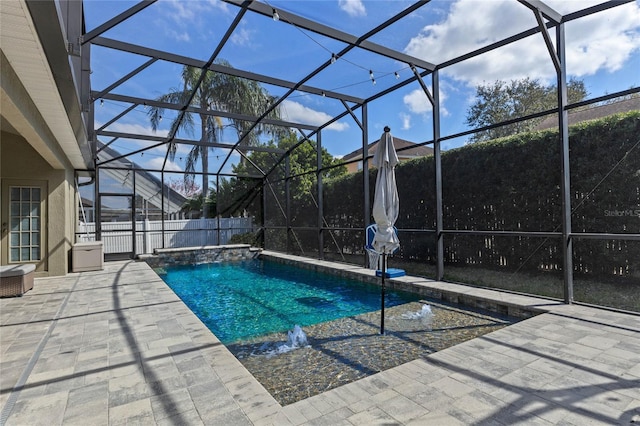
178 36
125 145
406 121
221 6
188 14
181 11
298 113
242 36
418 102
353 7
157 162
601 41
136 129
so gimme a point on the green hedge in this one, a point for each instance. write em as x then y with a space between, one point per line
513 184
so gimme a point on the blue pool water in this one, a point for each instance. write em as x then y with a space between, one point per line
241 300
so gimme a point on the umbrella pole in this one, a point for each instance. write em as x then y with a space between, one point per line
384 267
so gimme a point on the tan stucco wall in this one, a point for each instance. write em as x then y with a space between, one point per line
20 162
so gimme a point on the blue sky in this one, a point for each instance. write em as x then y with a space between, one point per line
603 50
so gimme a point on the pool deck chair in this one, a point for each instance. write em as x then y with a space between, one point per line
374 256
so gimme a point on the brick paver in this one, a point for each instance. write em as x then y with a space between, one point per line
119 347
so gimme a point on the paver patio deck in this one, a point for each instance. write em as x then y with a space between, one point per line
119 347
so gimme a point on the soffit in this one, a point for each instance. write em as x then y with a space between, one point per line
23 50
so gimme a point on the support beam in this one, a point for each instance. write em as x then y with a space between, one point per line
437 156
162 209
319 195
125 78
287 199
324 30
263 213
547 40
317 71
134 239
171 147
197 63
203 111
106 145
365 175
544 9
152 138
425 89
218 208
350 111
565 185
117 117
116 20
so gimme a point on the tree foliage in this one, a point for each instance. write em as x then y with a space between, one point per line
502 101
514 184
213 92
193 206
187 189
302 166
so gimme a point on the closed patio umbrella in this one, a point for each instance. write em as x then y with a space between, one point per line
385 205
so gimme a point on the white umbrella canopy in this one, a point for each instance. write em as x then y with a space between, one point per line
386 204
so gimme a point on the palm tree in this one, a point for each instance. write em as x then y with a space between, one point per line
220 92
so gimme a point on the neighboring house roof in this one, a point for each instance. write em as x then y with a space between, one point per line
404 149
592 113
147 185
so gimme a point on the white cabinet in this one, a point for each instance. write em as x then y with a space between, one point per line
87 256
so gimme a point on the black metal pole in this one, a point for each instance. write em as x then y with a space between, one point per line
384 271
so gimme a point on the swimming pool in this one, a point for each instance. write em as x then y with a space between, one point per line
342 345
243 300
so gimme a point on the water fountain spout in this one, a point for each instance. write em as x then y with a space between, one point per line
424 314
297 338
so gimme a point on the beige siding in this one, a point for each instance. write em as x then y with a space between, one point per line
21 164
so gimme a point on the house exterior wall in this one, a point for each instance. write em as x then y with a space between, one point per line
22 165
354 167
42 139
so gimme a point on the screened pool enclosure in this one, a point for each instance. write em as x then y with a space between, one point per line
213 140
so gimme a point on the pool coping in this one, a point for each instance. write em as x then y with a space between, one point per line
515 305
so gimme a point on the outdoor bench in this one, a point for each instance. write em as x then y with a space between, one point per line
15 280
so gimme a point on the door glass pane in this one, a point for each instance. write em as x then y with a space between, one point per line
24 212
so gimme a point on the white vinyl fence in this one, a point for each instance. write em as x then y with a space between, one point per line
117 236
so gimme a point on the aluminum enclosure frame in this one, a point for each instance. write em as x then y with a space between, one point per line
546 17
